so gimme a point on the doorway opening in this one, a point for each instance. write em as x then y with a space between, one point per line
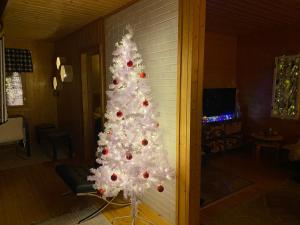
92 105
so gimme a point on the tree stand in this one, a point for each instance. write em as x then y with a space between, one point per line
134 213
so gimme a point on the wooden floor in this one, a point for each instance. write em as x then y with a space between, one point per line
33 193
267 175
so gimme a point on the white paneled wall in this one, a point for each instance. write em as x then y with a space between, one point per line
156 27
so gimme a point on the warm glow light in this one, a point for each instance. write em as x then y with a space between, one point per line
63 74
54 83
58 62
14 90
66 73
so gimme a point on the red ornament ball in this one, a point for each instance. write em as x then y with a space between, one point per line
160 188
142 75
101 191
129 63
144 142
145 103
105 151
128 155
146 175
115 81
119 114
114 177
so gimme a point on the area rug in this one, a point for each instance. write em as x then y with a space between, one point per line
277 207
13 156
217 184
73 218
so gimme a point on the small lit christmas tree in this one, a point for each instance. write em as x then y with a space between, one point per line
131 155
14 90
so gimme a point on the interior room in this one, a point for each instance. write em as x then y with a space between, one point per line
149 112
57 64
250 144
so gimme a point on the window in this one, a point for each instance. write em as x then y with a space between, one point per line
285 103
14 89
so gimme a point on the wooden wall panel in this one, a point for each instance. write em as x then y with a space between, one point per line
40 104
255 79
70 114
220 60
191 35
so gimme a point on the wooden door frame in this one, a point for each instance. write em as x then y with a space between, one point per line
85 53
191 34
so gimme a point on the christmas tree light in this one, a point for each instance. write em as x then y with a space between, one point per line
14 90
130 152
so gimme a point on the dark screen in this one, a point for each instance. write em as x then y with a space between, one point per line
218 101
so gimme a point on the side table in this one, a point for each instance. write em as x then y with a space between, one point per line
261 140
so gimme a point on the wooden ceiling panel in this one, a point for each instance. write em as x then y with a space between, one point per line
242 17
53 19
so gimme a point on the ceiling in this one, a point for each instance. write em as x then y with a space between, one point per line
252 16
53 19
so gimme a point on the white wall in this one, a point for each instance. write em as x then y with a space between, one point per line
156 29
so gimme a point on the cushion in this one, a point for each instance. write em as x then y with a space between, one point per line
12 130
76 178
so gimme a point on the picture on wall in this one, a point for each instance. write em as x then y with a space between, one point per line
285 102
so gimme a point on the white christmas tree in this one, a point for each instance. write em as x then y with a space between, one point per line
130 152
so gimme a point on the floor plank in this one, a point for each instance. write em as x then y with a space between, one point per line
33 193
267 175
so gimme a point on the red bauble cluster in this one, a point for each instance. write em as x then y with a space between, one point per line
114 177
146 174
119 114
101 191
144 142
105 151
115 81
129 63
160 188
145 103
142 75
128 155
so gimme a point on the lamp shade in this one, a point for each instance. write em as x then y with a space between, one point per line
60 61
54 83
66 73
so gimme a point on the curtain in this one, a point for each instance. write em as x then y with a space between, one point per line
3 111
